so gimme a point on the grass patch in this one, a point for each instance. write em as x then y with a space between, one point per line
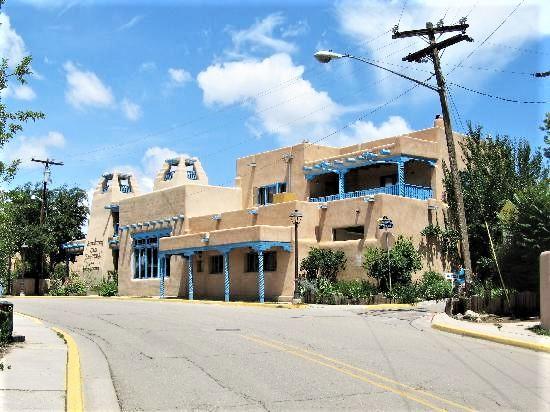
539 330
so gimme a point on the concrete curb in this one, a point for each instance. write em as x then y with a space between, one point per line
268 305
74 376
540 347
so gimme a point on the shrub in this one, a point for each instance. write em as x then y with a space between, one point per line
404 260
109 286
405 293
355 289
74 285
325 291
323 263
434 286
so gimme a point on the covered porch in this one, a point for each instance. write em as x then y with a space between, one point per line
368 175
224 248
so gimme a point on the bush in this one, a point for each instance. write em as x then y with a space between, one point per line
405 293
325 291
434 286
323 263
73 286
404 260
355 289
109 286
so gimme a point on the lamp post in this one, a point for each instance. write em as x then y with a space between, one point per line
24 248
43 213
386 223
296 218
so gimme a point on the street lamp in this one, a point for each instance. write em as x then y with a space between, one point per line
296 218
325 56
24 247
386 223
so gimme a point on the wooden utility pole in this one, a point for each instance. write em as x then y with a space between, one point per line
47 163
432 52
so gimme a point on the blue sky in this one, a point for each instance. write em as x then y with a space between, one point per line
127 84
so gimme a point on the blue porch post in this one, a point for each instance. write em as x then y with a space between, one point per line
401 177
226 275
261 281
190 276
160 266
342 182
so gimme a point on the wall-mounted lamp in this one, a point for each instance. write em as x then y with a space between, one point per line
205 237
253 211
369 199
217 217
323 206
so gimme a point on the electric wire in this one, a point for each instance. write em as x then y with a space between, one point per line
487 37
505 99
455 108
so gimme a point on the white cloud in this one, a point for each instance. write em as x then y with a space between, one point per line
25 148
356 19
260 36
130 23
179 76
151 162
84 88
131 110
12 46
364 131
20 92
301 111
294 30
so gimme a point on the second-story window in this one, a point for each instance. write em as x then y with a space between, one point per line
265 193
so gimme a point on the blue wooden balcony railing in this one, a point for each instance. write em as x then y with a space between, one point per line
412 191
192 175
125 188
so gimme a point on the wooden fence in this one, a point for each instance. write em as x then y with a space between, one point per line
521 304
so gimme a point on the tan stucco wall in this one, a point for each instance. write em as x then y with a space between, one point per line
545 289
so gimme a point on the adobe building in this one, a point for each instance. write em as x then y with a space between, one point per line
190 239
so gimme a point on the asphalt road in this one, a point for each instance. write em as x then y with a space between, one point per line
173 355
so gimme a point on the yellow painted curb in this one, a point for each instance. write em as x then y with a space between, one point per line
269 305
382 306
74 401
540 347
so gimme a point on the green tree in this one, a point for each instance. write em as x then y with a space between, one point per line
495 169
20 225
403 261
12 123
546 129
525 222
323 263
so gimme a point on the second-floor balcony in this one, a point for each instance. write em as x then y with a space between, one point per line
406 190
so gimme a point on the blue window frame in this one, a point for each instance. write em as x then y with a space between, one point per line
265 193
146 256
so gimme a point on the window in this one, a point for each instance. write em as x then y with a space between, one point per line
265 193
348 233
216 264
146 258
270 262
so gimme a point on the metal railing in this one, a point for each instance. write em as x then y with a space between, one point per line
412 191
169 174
125 188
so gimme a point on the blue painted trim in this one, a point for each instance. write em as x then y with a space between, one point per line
152 233
260 245
113 207
226 275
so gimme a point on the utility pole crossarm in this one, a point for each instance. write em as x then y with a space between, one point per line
425 52
426 31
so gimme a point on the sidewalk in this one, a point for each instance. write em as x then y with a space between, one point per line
511 333
34 372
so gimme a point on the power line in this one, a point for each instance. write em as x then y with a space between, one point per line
487 38
505 99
